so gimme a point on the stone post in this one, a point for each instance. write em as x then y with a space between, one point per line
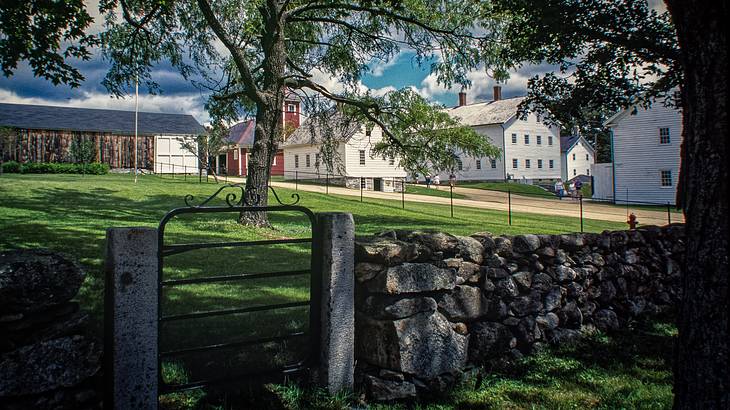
336 253
131 318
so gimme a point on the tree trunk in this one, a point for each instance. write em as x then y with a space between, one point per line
269 117
702 366
269 127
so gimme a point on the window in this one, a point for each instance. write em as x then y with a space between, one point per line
539 163
515 162
291 108
235 155
666 178
362 157
550 140
494 163
307 161
296 161
316 160
391 160
574 172
573 157
664 136
587 157
527 163
538 139
527 139
459 164
551 163
588 172
479 164
514 138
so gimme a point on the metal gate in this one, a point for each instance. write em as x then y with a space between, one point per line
235 203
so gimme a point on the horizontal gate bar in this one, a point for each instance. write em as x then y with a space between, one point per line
228 278
168 250
242 343
198 315
284 370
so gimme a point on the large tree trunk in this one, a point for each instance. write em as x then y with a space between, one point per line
702 367
269 128
269 117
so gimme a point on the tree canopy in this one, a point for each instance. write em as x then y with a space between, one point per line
245 54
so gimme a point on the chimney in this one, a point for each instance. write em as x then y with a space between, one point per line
497 92
462 98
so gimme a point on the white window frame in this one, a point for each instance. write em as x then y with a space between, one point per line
528 163
551 164
514 138
362 157
527 139
493 163
665 139
538 139
235 154
296 160
479 163
662 179
308 161
515 163
550 140
539 164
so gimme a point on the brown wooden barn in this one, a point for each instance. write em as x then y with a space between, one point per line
46 134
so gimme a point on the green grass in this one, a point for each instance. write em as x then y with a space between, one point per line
629 369
442 191
515 188
70 213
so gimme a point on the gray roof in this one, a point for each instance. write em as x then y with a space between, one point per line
567 142
313 131
492 112
42 117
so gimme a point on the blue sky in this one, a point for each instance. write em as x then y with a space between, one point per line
179 96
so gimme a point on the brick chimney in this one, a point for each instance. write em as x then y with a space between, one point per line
497 92
462 98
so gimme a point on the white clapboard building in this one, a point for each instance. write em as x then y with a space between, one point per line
354 162
577 157
645 147
530 147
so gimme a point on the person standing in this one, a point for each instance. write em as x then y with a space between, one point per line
559 188
428 181
437 181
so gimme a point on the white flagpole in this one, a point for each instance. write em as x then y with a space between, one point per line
136 110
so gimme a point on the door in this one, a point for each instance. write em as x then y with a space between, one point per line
378 184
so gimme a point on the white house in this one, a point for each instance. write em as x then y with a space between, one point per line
645 147
577 157
530 147
354 162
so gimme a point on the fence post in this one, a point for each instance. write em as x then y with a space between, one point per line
669 214
327 184
509 205
185 172
361 183
296 180
403 193
173 171
130 313
451 195
580 200
336 261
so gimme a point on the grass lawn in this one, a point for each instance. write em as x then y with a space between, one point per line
515 188
442 191
70 213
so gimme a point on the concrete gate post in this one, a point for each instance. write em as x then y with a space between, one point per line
336 253
130 310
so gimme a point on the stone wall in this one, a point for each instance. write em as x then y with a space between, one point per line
429 304
46 359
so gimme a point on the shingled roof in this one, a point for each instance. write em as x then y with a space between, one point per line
242 133
491 112
43 117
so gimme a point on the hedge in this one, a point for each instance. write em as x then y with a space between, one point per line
94 168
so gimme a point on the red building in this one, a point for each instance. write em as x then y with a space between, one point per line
241 136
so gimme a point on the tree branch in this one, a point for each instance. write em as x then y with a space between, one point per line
239 59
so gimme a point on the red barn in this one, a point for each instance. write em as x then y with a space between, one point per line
241 136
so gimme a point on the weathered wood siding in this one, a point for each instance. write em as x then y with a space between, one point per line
55 146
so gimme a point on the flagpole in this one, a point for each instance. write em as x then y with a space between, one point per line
136 111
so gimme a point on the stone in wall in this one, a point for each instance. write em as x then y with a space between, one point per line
525 292
46 359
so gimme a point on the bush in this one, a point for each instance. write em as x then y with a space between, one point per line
94 168
11 167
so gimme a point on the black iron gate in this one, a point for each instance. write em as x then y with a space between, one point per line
245 201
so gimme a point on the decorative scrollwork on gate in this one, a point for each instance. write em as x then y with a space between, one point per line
248 197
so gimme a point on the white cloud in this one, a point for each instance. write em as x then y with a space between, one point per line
333 85
180 104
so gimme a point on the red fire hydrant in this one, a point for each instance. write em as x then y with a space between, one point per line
632 221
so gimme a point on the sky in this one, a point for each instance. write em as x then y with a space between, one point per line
180 96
